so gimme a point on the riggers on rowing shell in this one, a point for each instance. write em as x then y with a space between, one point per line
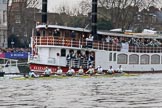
41 74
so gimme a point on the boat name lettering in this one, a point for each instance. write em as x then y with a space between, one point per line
38 68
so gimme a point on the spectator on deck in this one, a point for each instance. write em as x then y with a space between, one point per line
73 35
56 32
108 39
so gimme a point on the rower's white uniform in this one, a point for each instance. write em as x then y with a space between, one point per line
47 71
120 70
59 72
80 71
70 72
32 74
90 71
99 70
110 70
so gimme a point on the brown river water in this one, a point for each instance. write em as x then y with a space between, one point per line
142 91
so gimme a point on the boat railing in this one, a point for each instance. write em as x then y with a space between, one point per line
78 62
9 65
67 42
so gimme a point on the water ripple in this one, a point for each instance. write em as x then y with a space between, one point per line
144 91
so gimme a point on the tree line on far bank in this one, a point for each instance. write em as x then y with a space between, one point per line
126 14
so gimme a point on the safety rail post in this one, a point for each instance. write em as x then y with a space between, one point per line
148 49
140 49
79 44
116 47
103 45
74 43
53 39
135 49
71 42
98 45
36 41
145 49
112 46
63 42
47 40
155 49
107 46
40 40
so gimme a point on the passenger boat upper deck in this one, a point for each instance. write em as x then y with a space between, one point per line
81 38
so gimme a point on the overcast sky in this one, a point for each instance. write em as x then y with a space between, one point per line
53 5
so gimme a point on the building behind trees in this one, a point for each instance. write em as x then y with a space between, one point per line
22 18
3 23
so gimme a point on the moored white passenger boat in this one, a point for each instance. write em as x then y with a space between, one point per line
54 46
51 49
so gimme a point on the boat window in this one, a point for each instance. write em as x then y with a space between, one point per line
63 52
144 59
155 59
134 59
114 56
110 57
122 59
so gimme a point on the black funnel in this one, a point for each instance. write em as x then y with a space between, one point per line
44 11
94 19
